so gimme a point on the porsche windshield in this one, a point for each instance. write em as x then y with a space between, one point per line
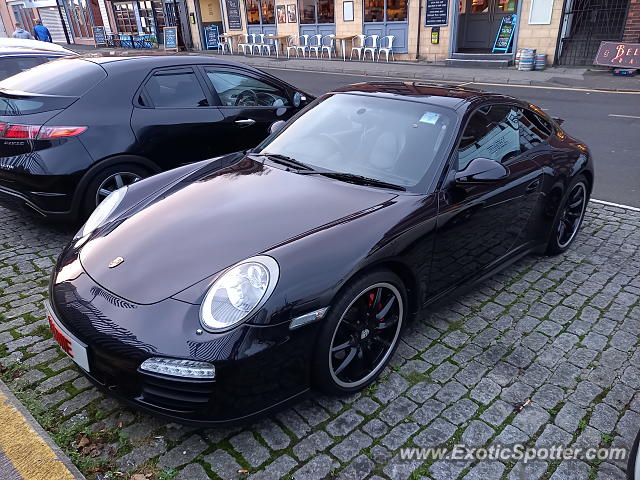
395 141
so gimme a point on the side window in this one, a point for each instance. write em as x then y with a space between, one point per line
492 132
235 89
533 130
10 66
176 90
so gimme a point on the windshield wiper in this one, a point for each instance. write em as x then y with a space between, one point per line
284 160
359 179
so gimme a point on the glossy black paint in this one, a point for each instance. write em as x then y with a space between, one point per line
51 177
178 230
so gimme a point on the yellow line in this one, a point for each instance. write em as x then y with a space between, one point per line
32 458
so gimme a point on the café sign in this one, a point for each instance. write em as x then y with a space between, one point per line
618 54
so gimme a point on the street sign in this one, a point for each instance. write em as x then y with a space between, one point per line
171 38
211 36
234 20
505 33
99 36
436 13
618 54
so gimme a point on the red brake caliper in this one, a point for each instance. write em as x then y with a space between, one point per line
372 297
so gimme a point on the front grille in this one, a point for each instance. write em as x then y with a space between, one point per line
178 394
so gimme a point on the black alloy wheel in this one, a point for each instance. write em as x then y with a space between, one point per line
569 217
361 333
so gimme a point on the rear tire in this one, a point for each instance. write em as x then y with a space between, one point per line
108 180
360 333
569 216
632 463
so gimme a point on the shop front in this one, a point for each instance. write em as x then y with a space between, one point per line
139 19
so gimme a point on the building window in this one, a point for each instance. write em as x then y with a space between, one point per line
261 12
125 18
81 20
317 11
385 10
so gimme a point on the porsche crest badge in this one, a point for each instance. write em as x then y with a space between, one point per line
115 262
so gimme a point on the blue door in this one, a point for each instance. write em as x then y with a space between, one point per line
388 17
261 16
317 17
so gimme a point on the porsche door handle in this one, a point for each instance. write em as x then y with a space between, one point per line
246 122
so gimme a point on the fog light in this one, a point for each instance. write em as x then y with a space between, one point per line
179 368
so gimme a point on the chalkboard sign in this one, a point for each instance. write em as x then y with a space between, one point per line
211 36
437 13
234 20
99 36
505 33
171 38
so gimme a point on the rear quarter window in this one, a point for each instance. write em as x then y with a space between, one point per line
74 77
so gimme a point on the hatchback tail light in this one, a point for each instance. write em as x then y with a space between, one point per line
12 131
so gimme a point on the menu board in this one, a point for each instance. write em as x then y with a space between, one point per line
436 13
618 54
505 33
234 20
99 36
171 38
211 36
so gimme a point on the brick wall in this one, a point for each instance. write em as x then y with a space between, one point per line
632 27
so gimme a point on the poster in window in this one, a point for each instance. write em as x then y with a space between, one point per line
347 11
281 13
292 16
234 20
541 11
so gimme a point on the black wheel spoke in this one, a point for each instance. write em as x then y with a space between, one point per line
382 313
342 346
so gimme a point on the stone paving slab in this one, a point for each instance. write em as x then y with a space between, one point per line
562 331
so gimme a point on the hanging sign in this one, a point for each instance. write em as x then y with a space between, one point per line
171 38
505 33
99 36
436 13
234 20
618 54
435 35
211 36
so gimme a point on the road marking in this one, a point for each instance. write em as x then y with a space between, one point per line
611 204
623 116
403 79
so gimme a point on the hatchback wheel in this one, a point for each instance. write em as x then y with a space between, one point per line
109 180
569 216
361 333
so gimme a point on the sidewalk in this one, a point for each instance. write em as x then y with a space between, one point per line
26 451
564 77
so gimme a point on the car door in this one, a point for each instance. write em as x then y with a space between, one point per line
175 118
481 221
249 104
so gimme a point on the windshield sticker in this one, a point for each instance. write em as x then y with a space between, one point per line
430 117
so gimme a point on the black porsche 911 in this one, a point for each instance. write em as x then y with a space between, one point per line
222 290
107 122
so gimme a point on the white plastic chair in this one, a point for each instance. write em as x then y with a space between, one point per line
315 45
267 46
372 49
303 45
224 45
358 45
331 47
292 45
257 43
388 49
246 44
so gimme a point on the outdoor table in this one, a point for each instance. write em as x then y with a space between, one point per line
343 47
277 39
228 37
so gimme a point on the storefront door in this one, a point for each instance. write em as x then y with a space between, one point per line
387 17
479 23
317 17
261 16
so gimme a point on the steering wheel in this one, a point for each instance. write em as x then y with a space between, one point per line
247 98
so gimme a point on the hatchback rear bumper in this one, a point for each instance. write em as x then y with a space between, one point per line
37 202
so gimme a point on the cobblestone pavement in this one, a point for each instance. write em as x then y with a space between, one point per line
562 331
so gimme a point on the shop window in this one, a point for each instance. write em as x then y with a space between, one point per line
375 10
260 12
125 18
317 11
268 12
479 6
80 18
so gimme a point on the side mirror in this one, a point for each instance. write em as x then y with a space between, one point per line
559 121
276 126
298 99
482 169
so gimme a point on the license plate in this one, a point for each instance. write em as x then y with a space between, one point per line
69 344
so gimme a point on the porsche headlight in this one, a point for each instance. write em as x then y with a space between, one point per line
238 292
102 211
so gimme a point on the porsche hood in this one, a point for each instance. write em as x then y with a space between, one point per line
189 232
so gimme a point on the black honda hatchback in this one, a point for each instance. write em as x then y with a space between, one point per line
74 130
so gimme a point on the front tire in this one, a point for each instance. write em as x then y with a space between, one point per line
633 464
361 333
569 216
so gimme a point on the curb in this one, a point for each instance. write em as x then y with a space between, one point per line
40 434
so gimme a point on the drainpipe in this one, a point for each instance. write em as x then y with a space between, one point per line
419 28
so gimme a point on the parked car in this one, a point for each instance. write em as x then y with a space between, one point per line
222 290
18 55
74 130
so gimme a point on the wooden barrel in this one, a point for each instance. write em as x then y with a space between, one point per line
527 59
541 61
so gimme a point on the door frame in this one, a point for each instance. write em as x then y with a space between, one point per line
455 24
384 25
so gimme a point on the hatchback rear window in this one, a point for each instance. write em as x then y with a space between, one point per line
73 77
